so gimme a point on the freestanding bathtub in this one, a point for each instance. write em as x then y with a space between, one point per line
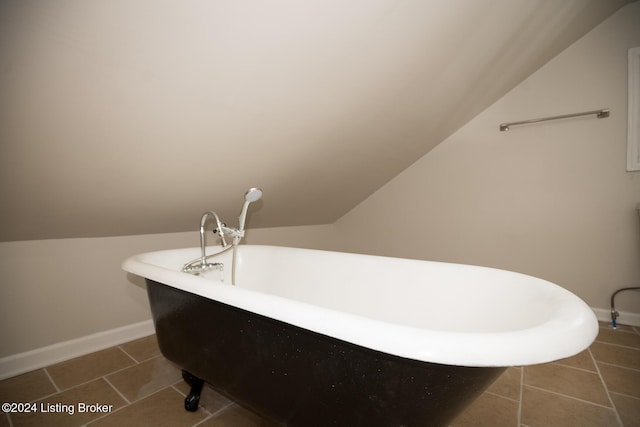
316 338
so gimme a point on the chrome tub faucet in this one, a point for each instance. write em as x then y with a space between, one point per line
200 264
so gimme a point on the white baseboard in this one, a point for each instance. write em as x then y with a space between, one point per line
624 318
59 352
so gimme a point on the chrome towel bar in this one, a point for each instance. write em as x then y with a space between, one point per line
601 114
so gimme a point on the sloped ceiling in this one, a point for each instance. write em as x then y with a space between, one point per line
125 117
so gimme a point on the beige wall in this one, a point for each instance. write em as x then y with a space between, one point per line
116 107
58 290
552 199
310 237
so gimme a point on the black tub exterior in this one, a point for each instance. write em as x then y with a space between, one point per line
302 378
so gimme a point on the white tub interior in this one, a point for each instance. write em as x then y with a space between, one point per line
427 295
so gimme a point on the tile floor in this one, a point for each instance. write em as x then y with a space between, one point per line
136 386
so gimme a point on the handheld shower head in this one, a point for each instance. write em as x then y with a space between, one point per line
252 195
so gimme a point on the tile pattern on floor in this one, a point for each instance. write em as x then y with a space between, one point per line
136 386
599 387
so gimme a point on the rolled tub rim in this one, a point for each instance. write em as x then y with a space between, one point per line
542 343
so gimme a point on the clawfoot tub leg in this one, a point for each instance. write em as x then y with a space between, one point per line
193 398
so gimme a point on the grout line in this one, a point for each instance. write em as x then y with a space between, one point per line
224 408
106 415
47 396
95 379
174 385
58 390
588 371
129 367
572 397
620 328
104 377
619 345
141 360
207 418
90 380
501 396
51 379
606 389
521 395
125 352
9 419
126 406
116 389
119 347
214 414
619 366
625 395
618 332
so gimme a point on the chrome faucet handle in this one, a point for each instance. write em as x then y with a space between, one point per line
233 232
220 230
